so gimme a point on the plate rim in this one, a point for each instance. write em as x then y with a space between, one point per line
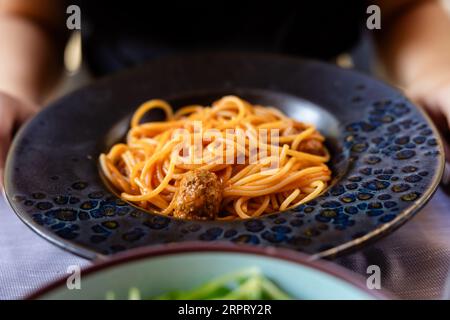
147 253
406 214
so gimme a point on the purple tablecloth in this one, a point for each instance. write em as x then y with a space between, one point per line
414 260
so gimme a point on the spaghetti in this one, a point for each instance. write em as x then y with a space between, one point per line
257 173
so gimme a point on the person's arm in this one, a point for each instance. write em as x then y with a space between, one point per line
414 45
31 45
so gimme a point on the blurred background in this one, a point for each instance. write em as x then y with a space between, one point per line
362 57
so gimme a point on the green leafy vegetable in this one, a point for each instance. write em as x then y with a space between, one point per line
246 284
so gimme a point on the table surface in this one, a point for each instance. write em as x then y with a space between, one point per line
414 261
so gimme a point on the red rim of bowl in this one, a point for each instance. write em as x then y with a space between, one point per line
324 266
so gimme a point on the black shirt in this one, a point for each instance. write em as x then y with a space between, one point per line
125 33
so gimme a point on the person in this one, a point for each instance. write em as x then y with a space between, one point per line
413 43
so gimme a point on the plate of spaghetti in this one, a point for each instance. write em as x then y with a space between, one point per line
259 149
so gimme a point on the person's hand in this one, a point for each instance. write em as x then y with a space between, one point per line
13 112
432 92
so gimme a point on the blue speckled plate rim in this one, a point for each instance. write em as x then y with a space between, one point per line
144 253
382 230
406 214
77 249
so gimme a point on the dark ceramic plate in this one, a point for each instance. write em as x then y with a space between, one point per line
387 157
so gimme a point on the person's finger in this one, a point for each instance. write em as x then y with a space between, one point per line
6 126
4 146
436 102
23 110
441 104
13 113
443 101
438 114
26 111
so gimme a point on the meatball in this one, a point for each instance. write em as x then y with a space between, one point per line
312 146
199 196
